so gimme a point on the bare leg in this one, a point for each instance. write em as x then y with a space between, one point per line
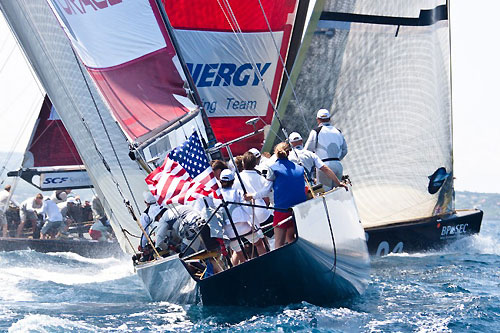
20 228
261 249
5 230
237 258
290 234
279 237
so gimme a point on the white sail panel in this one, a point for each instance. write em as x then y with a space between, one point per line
227 81
88 27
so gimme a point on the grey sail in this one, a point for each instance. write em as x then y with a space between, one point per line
383 69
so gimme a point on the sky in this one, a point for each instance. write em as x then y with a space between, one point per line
476 106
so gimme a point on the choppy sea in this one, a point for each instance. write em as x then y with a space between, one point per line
456 289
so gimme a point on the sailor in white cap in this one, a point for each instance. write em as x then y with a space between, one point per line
329 144
309 160
241 218
148 215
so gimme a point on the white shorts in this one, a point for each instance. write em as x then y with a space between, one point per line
242 228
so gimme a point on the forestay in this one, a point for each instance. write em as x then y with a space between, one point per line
383 68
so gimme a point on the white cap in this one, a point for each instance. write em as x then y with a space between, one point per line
71 200
149 197
294 137
61 196
323 114
255 152
226 175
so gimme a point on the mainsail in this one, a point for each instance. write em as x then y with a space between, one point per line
51 155
383 68
136 104
233 52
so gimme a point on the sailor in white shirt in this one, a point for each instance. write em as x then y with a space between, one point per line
54 220
329 144
148 215
28 213
241 219
310 161
255 182
4 205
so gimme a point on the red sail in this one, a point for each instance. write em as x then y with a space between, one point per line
51 144
223 64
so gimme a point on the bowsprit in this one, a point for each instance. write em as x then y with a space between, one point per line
226 74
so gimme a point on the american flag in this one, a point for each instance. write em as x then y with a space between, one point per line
184 176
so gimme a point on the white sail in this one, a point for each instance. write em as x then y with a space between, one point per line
383 69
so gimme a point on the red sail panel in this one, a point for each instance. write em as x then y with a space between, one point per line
223 64
130 58
51 144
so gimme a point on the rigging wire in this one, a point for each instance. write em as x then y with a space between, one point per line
232 23
255 68
108 137
289 80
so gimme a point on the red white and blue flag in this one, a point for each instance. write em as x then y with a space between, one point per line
184 176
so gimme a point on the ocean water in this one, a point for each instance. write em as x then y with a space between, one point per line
456 289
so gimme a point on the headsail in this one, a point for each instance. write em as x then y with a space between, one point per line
229 47
384 70
51 155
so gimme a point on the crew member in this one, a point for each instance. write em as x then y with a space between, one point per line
288 184
54 219
241 220
254 182
329 144
4 205
309 160
147 216
28 213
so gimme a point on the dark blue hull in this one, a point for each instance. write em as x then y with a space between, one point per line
288 275
425 234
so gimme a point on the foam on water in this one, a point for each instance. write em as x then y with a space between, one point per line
49 324
455 289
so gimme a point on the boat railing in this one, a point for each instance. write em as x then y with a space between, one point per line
203 248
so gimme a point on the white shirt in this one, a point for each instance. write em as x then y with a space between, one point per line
4 200
254 182
30 205
238 213
307 159
51 210
146 219
331 143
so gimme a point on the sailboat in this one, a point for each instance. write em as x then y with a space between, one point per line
51 163
383 69
124 92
